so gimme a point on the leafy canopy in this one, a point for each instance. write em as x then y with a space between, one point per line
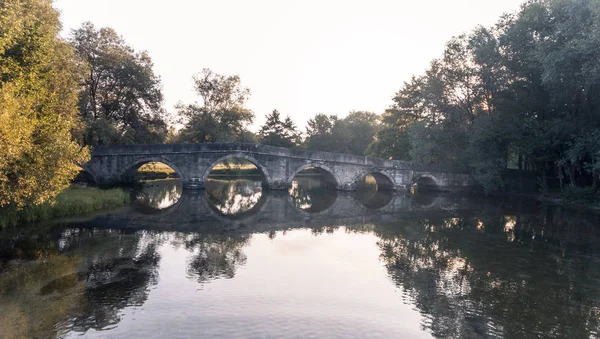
222 117
121 100
38 105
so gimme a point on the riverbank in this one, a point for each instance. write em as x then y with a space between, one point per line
74 201
575 205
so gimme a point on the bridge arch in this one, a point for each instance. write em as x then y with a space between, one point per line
384 180
427 180
310 165
134 165
263 169
87 173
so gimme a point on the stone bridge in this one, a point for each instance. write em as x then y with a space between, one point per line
193 163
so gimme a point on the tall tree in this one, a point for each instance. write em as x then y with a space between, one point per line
121 101
38 105
277 132
222 116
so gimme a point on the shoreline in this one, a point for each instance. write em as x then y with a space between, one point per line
75 201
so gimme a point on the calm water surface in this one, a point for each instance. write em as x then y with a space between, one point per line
238 261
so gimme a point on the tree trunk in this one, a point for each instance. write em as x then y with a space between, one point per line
544 181
572 174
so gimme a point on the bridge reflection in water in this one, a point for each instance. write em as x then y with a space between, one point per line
244 203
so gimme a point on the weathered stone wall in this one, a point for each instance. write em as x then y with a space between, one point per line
193 162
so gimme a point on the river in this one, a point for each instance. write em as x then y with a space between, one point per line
237 261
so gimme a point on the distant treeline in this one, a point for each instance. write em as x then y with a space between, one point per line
523 94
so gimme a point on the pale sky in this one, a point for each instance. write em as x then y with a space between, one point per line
299 57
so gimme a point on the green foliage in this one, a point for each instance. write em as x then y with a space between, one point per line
390 143
489 138
121 100
437 144
222 117
319 133
277 132
357 131
525 91
585 150
579 194
352 135
73 201
38 105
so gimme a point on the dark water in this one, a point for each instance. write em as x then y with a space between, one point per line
237 261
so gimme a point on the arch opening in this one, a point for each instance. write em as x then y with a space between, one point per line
235 186
158 185
376 181
84 178
151 169
315 176
313 190
375 190
426 183
235 168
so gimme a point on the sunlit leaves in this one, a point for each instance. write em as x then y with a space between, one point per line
38 105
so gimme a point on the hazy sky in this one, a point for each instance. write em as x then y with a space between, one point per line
300 57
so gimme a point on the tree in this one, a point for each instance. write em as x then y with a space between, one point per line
222 117
121 101
38 105
390 143
277 132
353 134
357 131
319 131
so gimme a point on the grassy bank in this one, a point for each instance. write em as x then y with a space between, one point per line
584 199
155 170
73 201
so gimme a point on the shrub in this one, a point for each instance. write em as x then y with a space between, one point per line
579 194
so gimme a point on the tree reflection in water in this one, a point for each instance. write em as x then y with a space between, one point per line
468 282
158 194
81 280
310 193
234 198
214 256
